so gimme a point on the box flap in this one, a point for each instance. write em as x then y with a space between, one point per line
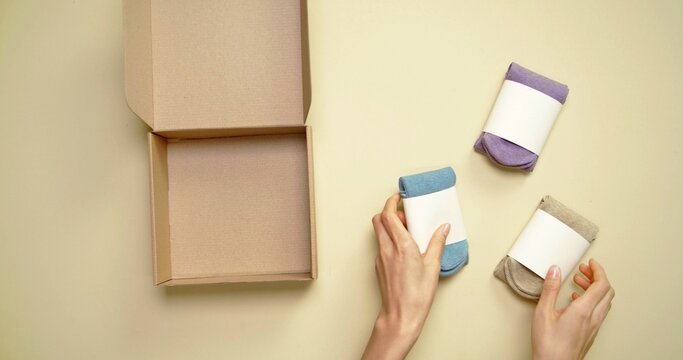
161 230
137 39
216 63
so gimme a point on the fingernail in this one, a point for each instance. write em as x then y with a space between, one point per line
445 229
554 272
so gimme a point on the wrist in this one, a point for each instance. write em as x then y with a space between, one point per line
555 353
391 338
395 327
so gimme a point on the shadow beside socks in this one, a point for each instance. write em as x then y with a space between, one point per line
456 255
504 152
524 281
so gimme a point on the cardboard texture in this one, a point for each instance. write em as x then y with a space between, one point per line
224 85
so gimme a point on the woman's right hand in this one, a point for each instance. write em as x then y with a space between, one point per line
568 333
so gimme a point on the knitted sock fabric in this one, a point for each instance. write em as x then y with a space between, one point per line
522 280
506 153
456 255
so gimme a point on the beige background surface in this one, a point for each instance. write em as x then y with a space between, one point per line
398 87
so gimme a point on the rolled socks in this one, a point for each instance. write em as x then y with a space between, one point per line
524 281
429 200
507 153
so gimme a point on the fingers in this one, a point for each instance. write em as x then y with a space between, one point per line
604 305
392 223
383 238
391 205
402 217
551 287
600 286
582 281
437 243
597 270
586 270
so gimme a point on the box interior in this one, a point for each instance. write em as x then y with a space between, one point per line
232 205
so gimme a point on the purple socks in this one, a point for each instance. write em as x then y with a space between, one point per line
509 154
505 153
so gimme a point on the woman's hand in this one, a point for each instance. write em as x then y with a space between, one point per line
407 281
568 333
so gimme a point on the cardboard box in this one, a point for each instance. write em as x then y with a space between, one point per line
224 85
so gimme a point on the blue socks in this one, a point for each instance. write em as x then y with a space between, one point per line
455 257
433 194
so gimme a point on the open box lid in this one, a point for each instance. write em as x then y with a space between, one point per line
216 63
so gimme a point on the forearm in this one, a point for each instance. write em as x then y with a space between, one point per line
391 339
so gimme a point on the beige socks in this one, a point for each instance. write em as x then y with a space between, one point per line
522 280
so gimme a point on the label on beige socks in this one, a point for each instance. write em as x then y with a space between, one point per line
547 241
522 115
425 213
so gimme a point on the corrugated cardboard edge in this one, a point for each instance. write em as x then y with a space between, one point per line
161 234
137 38
200 133
311 200
238 279
305 59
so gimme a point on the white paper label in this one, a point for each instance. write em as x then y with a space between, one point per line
424 214
523 115
547 241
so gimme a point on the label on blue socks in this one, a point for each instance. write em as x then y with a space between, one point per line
429 200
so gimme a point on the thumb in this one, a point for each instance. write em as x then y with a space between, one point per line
437 243
551 287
